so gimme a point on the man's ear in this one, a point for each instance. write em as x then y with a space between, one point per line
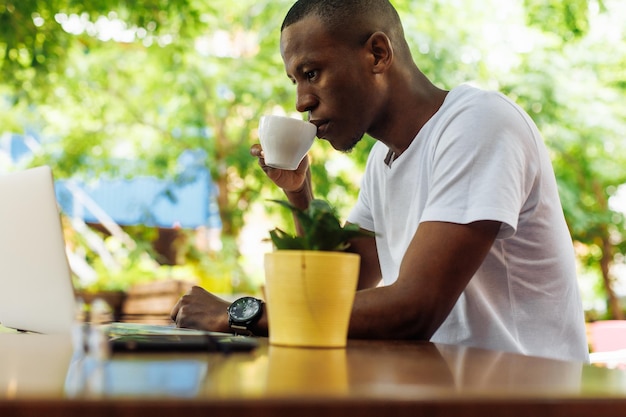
379 45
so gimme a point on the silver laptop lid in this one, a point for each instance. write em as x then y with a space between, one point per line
36 292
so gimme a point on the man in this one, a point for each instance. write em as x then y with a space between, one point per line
471 243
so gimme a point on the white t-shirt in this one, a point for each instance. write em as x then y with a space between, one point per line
481 157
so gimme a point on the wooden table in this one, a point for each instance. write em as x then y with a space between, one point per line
39 375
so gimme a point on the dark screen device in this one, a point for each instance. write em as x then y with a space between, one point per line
181 343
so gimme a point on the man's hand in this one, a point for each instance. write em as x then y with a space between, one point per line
199 309
290 181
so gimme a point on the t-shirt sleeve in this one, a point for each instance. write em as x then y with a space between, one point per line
484 166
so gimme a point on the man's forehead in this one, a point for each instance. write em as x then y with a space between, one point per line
305 38
306 31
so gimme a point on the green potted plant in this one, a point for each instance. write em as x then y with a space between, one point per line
310 281
321 229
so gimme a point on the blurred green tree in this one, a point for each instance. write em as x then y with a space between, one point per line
574 83
122 88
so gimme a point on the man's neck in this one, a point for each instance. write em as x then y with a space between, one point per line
408 121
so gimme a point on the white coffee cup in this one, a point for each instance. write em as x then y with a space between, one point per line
285 140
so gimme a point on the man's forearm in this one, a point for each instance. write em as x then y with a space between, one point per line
301 198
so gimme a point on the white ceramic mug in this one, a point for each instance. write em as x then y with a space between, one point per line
285 140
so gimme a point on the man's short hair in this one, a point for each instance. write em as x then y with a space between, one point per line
348 18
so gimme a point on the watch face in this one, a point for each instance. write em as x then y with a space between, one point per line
244 308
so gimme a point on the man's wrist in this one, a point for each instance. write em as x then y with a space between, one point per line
300 198
260 328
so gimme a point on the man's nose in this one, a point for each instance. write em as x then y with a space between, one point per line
305 101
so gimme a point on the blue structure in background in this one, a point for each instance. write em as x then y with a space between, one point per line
146 200
188 201
15 146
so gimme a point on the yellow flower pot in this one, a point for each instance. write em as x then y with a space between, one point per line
309 297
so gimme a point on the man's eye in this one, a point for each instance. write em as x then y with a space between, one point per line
310 75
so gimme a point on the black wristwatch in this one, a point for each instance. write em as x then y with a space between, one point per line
244 313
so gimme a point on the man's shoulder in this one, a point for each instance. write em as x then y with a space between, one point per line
467 102
464 93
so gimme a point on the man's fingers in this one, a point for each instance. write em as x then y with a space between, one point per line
175 309
256 150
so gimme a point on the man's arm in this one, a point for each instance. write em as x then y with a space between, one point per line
436 268
369 271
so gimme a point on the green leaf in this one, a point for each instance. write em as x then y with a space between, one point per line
322 230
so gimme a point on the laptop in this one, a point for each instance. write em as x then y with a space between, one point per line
36 291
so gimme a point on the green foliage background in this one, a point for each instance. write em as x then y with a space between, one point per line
197 74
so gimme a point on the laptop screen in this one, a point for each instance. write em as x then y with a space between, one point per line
36 292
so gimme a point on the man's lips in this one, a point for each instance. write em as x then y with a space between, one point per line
321 127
